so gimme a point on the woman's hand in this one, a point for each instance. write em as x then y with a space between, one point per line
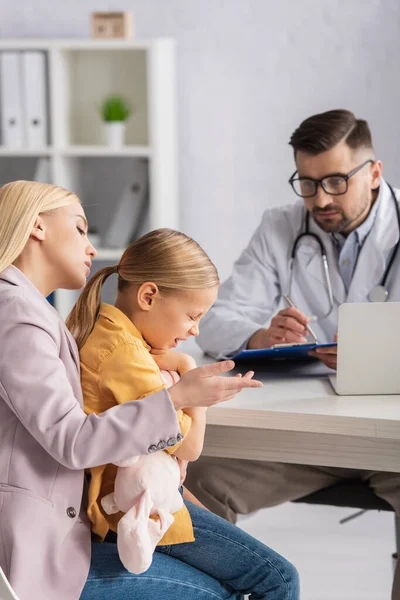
204 386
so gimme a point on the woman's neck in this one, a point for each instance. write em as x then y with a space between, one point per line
38 276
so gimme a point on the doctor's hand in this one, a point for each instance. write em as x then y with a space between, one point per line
287 327
327 355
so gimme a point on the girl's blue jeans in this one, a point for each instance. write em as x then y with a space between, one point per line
223 563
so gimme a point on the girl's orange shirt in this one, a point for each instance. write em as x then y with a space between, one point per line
117 367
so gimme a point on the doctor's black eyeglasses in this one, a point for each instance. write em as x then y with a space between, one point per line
334 185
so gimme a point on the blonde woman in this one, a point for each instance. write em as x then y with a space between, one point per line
46 439
166 284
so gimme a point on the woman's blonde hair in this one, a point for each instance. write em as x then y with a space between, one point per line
20 204
170 259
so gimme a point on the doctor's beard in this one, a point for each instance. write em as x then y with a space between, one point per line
331 219
350 211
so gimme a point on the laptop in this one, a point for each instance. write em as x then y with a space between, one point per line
368 349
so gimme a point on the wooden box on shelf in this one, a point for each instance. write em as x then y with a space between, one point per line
112 25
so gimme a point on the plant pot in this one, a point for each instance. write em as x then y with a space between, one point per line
114 133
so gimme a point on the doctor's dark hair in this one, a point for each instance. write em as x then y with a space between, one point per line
323 131
168 258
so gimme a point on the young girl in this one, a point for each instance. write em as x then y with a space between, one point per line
166 284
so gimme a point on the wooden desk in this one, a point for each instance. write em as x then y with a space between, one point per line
297 418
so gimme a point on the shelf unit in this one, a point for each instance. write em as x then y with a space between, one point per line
80 73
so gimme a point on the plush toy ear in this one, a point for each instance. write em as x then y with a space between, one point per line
128 462
138 535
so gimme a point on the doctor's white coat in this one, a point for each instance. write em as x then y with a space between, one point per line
250 297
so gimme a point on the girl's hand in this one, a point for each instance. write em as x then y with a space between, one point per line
158 352
182 469
170 377
173 361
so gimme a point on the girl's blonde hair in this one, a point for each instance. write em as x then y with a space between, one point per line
20 204
170 259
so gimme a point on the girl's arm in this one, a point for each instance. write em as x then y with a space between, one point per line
192 445
187 494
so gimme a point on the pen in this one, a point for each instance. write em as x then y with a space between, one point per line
289 301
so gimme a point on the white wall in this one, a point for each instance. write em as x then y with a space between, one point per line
249 72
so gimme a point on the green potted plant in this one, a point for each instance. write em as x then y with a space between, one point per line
115 111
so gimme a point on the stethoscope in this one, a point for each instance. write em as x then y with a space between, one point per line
378 294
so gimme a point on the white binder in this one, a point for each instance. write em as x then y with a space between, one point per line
12 134
131 211
34 98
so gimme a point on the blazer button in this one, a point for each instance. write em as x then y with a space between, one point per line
171 441
71 512
152 448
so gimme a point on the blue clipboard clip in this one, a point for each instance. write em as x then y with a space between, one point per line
282 352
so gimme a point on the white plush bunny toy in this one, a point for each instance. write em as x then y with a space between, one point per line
144 486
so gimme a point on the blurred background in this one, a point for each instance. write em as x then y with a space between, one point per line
247 73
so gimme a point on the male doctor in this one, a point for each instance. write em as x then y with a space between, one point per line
352 211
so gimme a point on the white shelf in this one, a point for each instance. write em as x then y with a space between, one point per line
80 74
46 151
109 253
98 150
95 150
78 44
98 44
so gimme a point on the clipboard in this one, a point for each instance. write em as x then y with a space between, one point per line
284 352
